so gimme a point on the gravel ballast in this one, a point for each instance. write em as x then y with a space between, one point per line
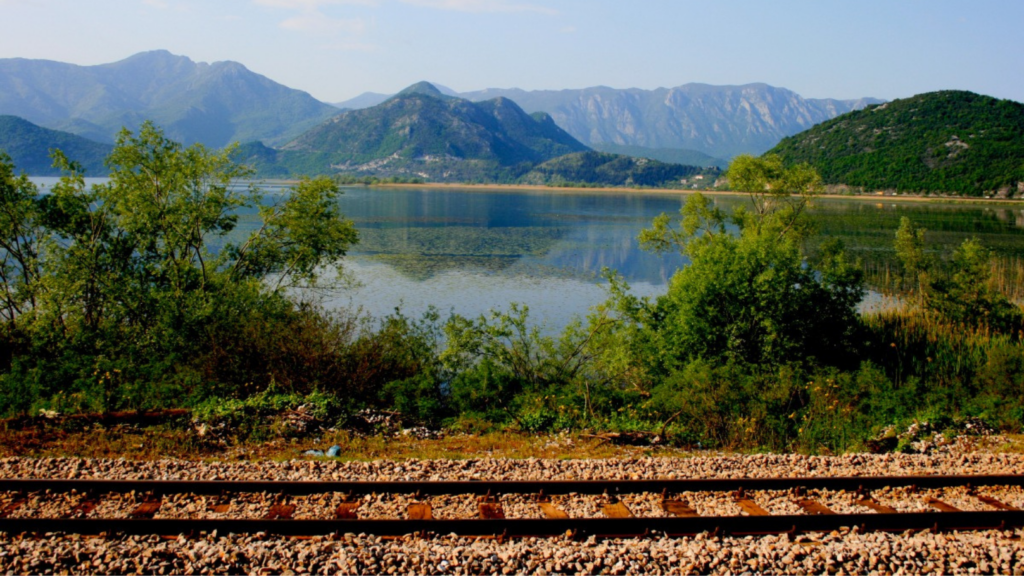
848 552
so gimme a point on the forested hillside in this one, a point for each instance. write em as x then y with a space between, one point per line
30 146
939 142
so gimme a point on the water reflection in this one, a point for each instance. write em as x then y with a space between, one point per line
470 251
473 250
532 234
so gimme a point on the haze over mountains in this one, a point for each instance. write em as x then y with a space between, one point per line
214 104
423 133
224 102
720 121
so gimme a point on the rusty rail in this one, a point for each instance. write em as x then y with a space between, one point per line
679 520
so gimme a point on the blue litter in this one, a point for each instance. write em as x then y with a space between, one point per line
314 453
334 451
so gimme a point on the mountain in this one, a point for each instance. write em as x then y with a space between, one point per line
667 155
600 168
950 141
364 100
29 146
423 132
370 99
718 121
721 121
214 104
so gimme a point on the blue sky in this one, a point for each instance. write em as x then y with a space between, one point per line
337 49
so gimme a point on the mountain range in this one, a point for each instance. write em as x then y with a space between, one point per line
214 104
223 102
719 121
422 132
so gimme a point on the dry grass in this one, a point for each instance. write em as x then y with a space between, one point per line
1015 445
167 442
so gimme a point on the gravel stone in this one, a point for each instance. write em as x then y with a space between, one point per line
839 552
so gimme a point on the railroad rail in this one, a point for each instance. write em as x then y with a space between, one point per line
677 516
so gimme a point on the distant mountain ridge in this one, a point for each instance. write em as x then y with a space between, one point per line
940 142
719 121
424 133
29 147
667 155
214 104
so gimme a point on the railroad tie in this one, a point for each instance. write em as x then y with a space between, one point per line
616 510
280 511
13 505
147 509
940 505
996 503
491 511
552 512
420 511
219 504
748 505
679 508
676 507
348 511
87 504
813 507
489 508
874 505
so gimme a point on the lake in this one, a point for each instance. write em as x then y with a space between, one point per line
472 250
469 251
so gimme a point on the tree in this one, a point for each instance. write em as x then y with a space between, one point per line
132 277
958 289
748 293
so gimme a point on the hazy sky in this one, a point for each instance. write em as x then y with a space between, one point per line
337 49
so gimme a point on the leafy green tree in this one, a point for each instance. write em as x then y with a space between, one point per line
965 295
910 251
750 295
958 289
108 288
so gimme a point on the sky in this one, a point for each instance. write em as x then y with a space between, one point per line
338 49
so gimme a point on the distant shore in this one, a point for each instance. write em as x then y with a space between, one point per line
677 191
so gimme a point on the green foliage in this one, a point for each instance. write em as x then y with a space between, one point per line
506 371
666 155
141 293
750 297
599 168
110 293
959 289
940 142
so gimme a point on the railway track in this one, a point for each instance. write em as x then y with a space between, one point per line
618 508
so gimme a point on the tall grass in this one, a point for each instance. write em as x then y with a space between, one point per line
950 368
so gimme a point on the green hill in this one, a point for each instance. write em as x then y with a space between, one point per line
600 168
666 155
423 133
29 147
940 142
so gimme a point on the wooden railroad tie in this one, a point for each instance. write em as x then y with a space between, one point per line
420 511
147 509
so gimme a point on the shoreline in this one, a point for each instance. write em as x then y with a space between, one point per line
681 192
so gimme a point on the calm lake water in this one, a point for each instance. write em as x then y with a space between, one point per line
470 251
